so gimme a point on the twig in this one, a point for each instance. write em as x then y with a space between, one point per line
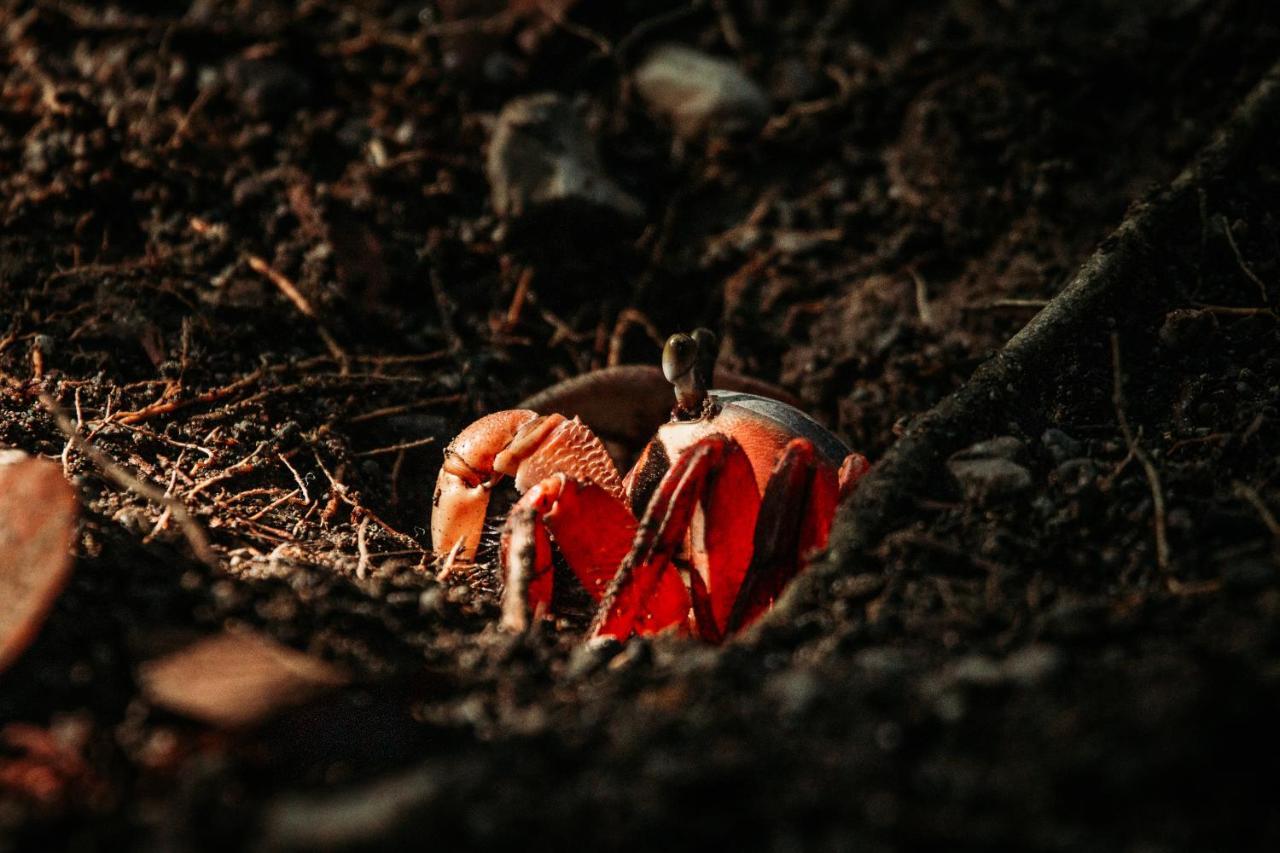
166 407
627 318
1250 494
518 298
266 509
342 493
302 484
290 290
729 27
191 528
362 567
1244 267
163 520
242 467
394 448
561 20
1153 476
389 411
922 299
1035 304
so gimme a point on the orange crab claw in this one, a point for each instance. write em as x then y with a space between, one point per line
462 487
593 530
517 443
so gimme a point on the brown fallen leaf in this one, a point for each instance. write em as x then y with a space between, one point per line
234 680
37 524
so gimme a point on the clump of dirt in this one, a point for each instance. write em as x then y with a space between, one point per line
253 260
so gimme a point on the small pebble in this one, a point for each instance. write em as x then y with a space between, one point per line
1184 328
267 88
1000 447
700 95
1060 445
984 479
1075 475
542 159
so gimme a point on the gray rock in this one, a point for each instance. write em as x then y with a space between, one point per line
1060 445
795 691
988 471
700 95
543 159
268 88
1075 475
1000 447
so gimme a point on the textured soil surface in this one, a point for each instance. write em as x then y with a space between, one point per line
249 251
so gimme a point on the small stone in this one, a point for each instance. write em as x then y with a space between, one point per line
989 478
1060 445
1075 475
1000 447
1033 663
794 690
267 88
542 160
700 95
1184 328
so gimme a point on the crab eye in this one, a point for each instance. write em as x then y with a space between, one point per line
678 356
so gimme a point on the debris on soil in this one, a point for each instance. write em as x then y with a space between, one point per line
542 162
989 470
38 510
236 679
700 95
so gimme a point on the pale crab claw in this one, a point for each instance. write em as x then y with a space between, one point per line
516 443
462 487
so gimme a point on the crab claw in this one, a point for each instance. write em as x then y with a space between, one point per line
462 487
593 531
516 443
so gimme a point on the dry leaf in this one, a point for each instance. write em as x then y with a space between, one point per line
236 680
37 524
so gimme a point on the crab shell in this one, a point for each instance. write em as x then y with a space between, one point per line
761 426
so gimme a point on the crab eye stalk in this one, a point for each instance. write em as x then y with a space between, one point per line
679 365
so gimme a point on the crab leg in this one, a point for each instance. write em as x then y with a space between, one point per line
796 512
648 595
527 569
517 443
593 531
853 468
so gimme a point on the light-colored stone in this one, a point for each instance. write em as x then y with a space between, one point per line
989 471
542 157
700 95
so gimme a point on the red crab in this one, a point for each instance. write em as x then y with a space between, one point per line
716 517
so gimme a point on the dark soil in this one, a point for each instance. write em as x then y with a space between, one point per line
1092 663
